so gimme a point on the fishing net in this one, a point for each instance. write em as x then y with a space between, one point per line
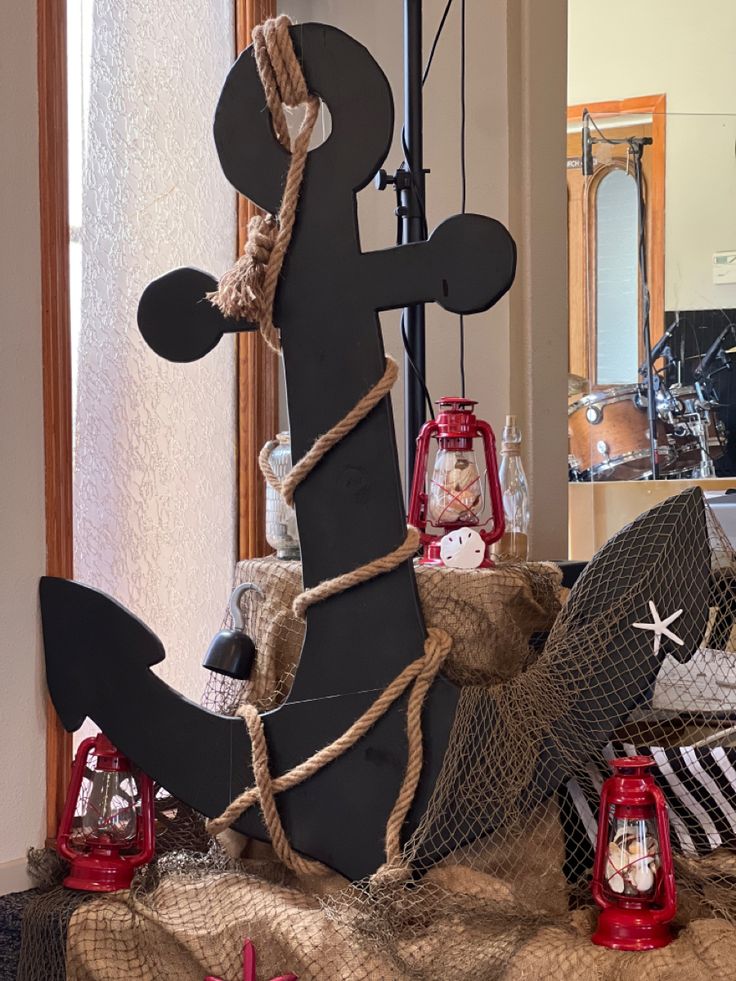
500 863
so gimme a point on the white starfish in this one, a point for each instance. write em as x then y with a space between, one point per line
660 626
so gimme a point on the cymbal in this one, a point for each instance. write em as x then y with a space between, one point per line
576 384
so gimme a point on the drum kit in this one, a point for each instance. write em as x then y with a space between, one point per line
608 430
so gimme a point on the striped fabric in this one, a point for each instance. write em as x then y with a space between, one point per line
699 785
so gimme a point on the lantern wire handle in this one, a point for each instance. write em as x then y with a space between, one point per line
244 587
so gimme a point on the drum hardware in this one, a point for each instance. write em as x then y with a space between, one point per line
715 352
602 447
622 439
689 436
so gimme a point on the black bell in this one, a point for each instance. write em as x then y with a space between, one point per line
232 651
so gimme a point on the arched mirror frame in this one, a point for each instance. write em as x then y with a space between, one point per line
582 351
590 212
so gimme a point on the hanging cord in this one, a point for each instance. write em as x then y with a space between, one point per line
247 291
463 171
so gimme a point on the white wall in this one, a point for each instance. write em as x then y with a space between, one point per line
685 50
379 26
155 471
22 547
498 69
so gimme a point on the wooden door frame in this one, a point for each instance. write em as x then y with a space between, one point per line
257 367
56 351
656 106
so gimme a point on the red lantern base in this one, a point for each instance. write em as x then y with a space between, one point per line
94 873
623 929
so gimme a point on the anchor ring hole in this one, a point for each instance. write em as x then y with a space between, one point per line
322 128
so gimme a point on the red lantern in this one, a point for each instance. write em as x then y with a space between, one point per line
454 496
108 828
633 875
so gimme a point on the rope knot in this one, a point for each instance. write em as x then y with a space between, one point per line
247 291
389 876
240 292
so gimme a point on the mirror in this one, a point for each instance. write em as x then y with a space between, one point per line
616 279
659 89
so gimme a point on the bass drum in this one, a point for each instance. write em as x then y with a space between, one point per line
609 435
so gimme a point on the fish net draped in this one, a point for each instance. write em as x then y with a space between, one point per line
501 860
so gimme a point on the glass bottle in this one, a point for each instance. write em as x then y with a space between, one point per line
515 543
281 530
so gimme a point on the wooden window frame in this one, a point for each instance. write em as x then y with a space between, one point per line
656 106
257 371
258 366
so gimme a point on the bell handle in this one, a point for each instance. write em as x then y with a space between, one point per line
418 498
669 907
494 483
72 795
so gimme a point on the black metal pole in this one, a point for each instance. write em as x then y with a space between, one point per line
413 227
637 151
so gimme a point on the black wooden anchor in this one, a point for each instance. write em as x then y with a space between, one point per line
349 509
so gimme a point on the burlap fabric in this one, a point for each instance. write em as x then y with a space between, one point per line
191 922
509 897
489 613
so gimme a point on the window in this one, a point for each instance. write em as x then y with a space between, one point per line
617 279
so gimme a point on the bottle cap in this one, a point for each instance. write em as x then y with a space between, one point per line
511 421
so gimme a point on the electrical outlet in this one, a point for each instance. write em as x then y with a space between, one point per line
724 267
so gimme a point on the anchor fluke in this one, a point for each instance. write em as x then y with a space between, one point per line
98 630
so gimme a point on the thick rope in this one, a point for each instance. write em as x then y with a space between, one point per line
378 567
247 291
419 674
324 443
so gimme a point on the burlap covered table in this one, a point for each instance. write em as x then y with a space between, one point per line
489 613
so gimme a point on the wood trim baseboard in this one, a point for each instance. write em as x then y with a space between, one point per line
258 367
56 348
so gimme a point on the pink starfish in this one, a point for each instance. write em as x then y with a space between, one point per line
249 966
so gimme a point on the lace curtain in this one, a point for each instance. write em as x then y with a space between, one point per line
154 467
